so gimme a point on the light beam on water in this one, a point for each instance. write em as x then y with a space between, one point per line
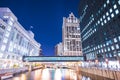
58 75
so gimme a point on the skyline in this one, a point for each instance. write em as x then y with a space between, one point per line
46 20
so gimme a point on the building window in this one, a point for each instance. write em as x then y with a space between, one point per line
8 28
103 16
3 47
10 23
105 50
5 40
107 13
108 18
98 22
7 34
102 50
108 1
119 2
115 6
110 10
116 11
102 23
117 46
115 40
108 49
112 47
112 15
105 21
119 38
11 19
110 54
104 5
100 19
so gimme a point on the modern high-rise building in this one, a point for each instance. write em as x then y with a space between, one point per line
71 36
15 41
59 49
100 29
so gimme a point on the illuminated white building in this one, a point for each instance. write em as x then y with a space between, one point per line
59 49
71 36
15 41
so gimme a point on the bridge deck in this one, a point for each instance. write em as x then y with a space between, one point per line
52 58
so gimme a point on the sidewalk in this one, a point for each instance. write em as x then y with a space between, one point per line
7 73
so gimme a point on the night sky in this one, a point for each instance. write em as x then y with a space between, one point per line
45 16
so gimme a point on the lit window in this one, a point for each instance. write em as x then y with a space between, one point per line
108 49
107 13
5 16
110 54
101 46
98 46
108 18
116 11
5 40
115 6
68 20
107 43
106 55
115 40
11 18
95 30
7 34
102 50
102 23
104 5
98 22
105 50
10 23
110 10
105 21
104 45
117 46
112 47
99 51
100 19
8 28
108 1
76 20
119 38
112 15
119 2
103 16
3 47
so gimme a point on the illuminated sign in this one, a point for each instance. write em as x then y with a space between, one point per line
52 58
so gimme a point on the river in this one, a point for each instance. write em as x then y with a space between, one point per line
48 74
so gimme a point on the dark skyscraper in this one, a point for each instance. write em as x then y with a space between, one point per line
100 29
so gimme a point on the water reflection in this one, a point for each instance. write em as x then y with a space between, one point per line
45 75
58 74
48 74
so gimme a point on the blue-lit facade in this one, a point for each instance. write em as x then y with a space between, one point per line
100 29
15 41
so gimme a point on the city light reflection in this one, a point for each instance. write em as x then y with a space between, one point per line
46 74
23 77
58 74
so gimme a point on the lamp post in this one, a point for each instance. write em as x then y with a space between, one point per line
96 62
106 60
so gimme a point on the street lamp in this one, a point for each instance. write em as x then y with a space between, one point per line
96 61
106 60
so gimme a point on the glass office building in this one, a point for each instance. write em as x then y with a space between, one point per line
100 29
15 41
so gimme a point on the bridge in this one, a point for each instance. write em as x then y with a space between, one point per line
52 58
